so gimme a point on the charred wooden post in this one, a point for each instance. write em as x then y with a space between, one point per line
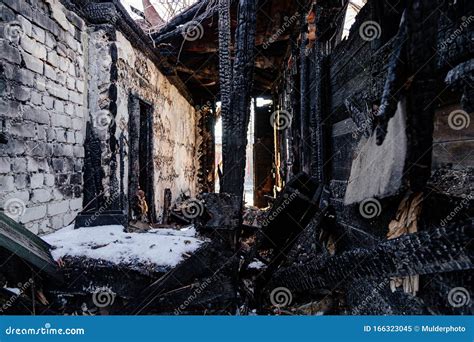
93 173
422 24
295 134
235 131
225 71
305 150
166 205
316 103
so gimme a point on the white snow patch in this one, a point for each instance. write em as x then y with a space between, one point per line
110 243
257 264
13 290
185 231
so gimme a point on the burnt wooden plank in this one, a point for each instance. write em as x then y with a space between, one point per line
455 154
31 248
211 259
437 250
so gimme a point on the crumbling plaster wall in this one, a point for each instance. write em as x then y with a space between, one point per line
174 121
42 112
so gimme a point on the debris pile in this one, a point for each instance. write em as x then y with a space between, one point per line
292 264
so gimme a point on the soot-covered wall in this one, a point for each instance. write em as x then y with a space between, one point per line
173 121
67 73
123 80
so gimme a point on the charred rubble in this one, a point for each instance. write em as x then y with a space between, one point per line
363 164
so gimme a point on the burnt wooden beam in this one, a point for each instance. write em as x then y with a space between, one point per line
225 70
316 104
167 196
212 260
305 152
396 77
235 131
423 17
198 12
437 250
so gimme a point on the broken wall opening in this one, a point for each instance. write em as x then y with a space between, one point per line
260 155
382 26
263 153
353 8
249 166
141 159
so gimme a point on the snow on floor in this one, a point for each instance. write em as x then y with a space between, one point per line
16 291
163 247
257 264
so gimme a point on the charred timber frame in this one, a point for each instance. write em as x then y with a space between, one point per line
234 138
305 148
438 250
316 112
225 69
423 16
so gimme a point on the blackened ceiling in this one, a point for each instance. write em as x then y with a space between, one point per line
195 61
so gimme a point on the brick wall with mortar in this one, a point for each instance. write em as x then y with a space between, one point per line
57 79
42 112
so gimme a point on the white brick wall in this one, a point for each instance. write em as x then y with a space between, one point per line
42 104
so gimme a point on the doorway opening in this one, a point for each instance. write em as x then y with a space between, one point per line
141 176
